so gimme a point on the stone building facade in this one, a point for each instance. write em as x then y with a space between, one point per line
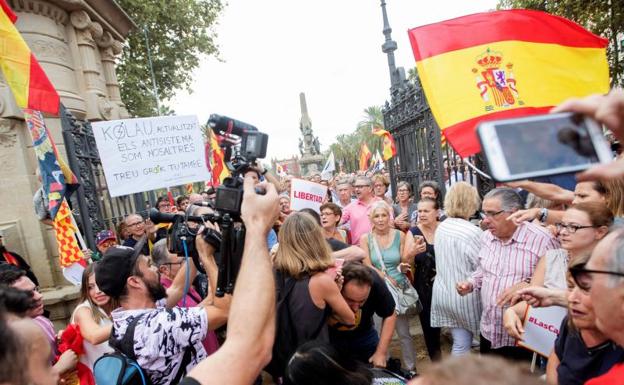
77 42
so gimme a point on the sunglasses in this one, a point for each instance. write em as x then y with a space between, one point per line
583 277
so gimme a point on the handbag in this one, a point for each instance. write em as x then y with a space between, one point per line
405 296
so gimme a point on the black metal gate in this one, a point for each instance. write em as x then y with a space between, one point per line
96 208
420 153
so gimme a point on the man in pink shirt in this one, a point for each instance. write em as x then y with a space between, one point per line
356 212
168 266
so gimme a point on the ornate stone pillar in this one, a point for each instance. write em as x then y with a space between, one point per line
109 50
87 31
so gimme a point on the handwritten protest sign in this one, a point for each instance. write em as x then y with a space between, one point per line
541 327
149 153
305 194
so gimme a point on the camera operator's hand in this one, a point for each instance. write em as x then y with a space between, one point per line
608 110
259 211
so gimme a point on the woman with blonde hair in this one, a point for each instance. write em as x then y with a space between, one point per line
389 252
310 296
457 245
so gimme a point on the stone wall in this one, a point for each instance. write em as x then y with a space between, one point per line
77 43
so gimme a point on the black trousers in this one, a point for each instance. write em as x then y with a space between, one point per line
431 334
514 353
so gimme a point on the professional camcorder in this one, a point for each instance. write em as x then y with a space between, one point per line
240 156
243 144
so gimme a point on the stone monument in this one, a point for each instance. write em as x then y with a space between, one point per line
311 161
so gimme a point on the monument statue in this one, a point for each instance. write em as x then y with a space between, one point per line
309 146
310 143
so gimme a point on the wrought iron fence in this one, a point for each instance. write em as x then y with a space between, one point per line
420 153
96 209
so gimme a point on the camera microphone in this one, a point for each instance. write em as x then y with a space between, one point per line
223 125
157 217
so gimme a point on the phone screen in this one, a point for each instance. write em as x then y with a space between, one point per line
543 144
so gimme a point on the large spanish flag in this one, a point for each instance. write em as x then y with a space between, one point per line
504 64
31 87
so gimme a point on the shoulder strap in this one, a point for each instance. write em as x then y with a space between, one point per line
126 344
378 252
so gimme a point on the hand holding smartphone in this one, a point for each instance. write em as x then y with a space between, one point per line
542 145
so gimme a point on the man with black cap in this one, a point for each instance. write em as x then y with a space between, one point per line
167 339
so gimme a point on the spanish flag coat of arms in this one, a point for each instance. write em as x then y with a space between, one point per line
503 64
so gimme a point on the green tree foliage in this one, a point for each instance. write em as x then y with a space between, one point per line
347 146
602 17
179 33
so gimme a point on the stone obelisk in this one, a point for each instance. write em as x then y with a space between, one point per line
311 160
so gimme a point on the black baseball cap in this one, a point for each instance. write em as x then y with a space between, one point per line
117 264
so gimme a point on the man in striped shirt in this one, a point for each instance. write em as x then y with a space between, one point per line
508 256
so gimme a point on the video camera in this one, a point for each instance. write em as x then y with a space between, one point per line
243 144
239 156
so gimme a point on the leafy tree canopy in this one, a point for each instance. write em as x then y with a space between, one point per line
179 33
602 17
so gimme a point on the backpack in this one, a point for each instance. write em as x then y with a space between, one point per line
286 341
121 367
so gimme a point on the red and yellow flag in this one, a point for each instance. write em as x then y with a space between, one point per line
69 251
503 64
389 147
30 85
365 156
217 163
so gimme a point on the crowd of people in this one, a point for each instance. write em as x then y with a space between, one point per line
320 294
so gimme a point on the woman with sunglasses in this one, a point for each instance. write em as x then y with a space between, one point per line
581 351
582 226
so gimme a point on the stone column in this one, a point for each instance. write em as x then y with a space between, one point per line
87 31
109 50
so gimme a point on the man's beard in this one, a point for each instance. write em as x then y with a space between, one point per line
156 290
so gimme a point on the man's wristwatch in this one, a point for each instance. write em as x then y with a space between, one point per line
543 214
264 172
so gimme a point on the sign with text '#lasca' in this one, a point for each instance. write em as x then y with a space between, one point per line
149 153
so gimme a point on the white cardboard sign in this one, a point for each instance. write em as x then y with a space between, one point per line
305 194
149 153
541 327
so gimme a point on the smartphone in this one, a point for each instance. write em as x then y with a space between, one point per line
542 145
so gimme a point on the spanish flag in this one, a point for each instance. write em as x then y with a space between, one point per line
217 163
389 147
365 156
504 64
31 87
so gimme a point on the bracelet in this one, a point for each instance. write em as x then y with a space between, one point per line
543 214
264 172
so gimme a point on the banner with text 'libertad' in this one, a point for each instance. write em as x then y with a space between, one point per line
149 153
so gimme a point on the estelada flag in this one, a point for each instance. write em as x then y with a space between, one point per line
365 156
218 168
503 64
389 147
30 85
69 251
57 179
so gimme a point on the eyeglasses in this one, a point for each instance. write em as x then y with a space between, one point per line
136 224
326 213
583 277
489 214
173 263
361 185
571 228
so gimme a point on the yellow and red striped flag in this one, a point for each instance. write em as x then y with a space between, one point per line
27 80
218 168
389 147
503 64
365 156
69 251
